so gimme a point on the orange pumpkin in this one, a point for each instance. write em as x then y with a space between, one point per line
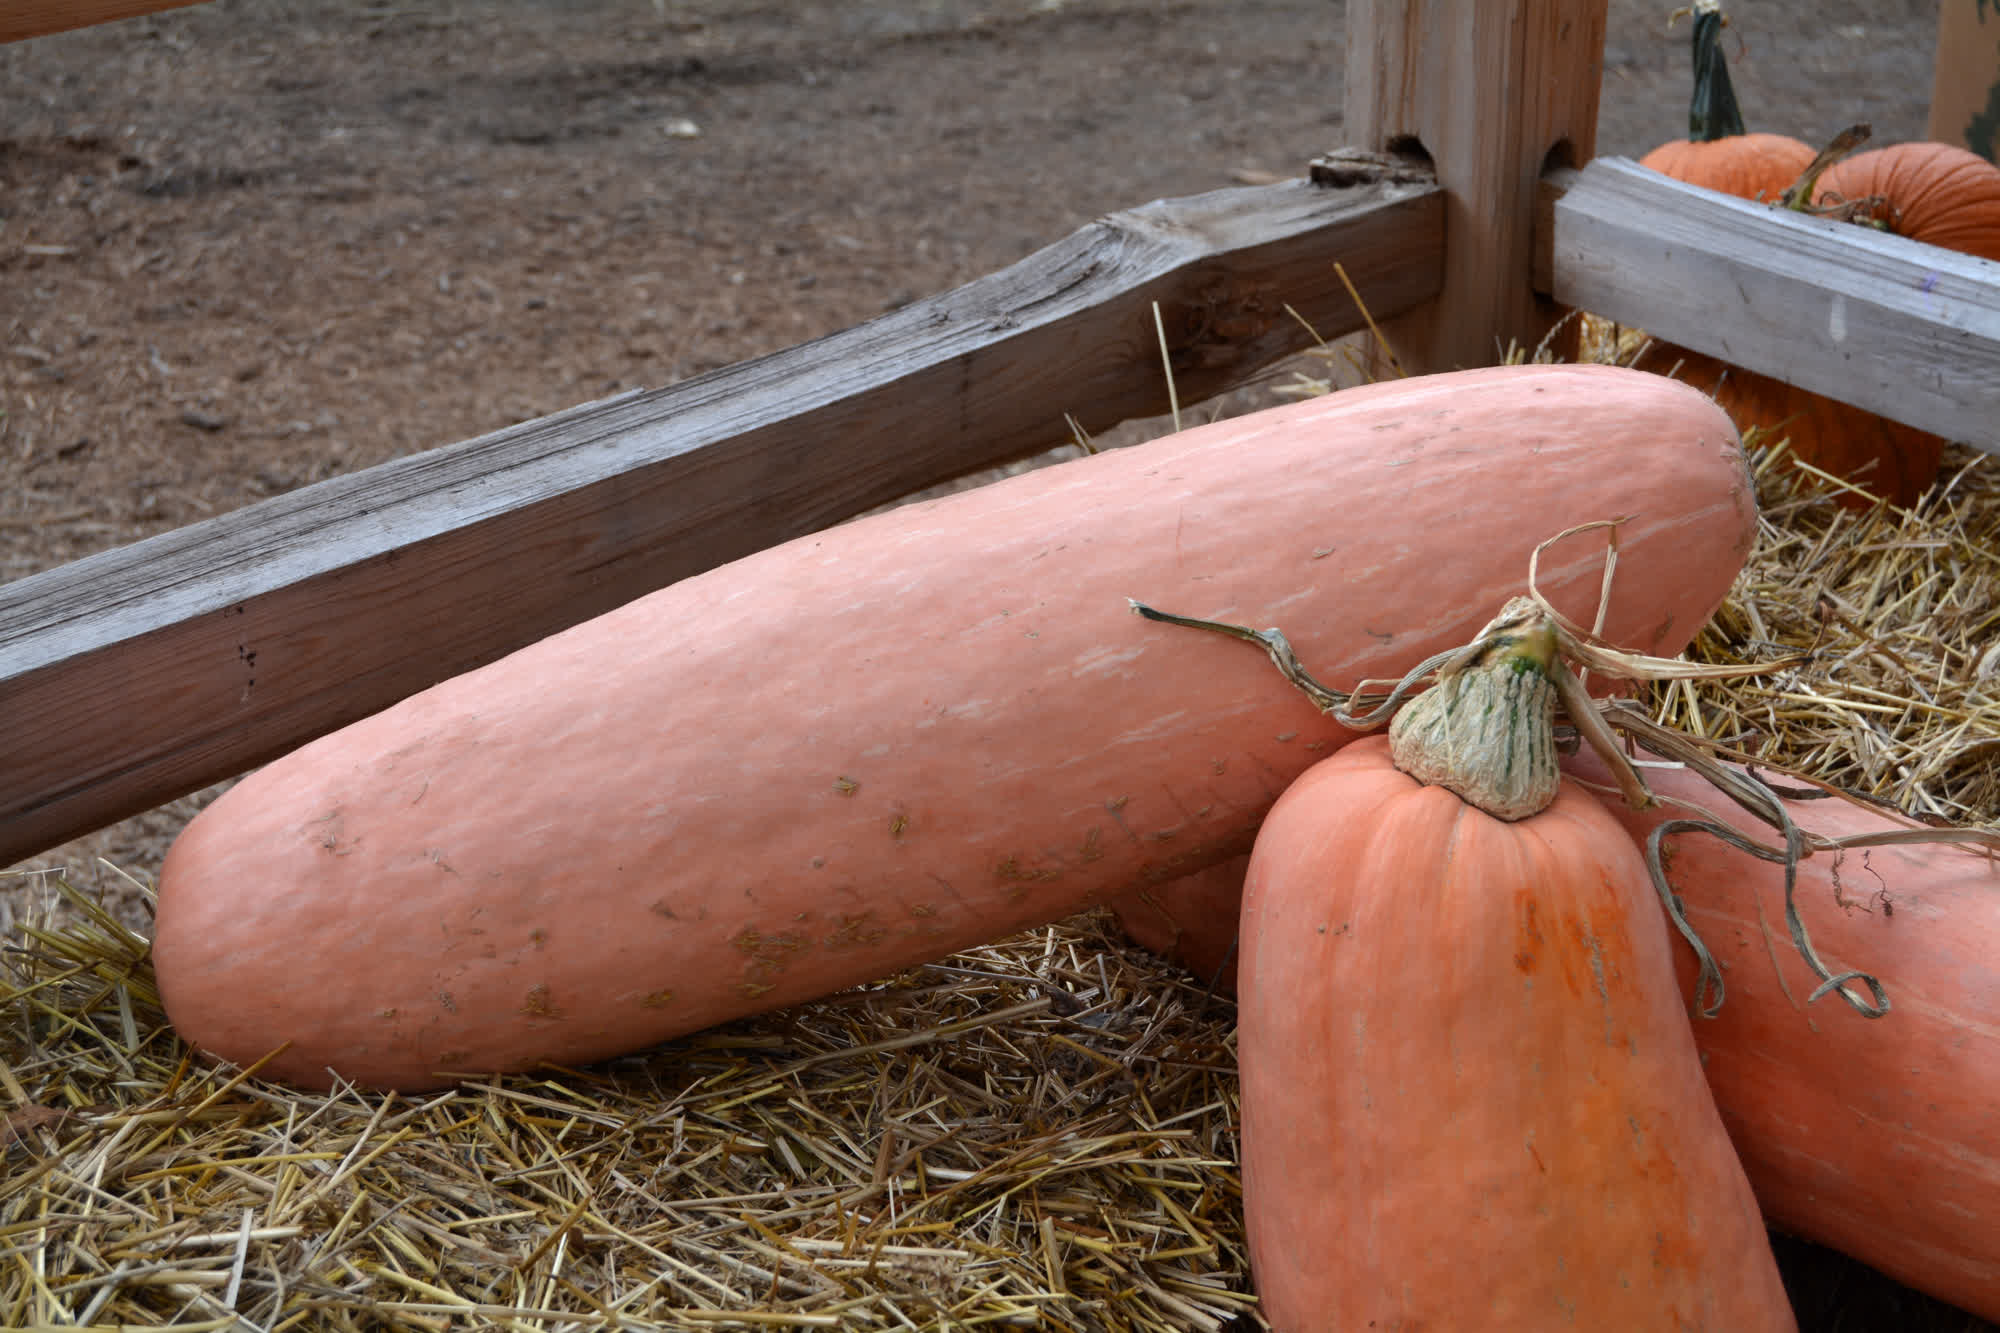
1470 1095
1889 458
1932 192
1750 166
1718 153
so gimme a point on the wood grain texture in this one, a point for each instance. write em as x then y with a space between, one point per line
144 673
21 19
1492 91
1905 329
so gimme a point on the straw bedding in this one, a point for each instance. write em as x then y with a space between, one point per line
1036 1134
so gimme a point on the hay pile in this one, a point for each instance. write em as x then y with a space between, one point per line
1040 1133
1902 699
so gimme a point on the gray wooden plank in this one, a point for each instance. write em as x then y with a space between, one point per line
1904 329
143 673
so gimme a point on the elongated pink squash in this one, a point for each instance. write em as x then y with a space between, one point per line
909 734
1879 1137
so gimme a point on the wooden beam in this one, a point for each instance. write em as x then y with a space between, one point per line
1493 91
1904 329
140 674
21 19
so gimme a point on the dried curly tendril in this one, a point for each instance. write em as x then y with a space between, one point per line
1485 730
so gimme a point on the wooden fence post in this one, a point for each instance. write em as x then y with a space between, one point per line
1493 91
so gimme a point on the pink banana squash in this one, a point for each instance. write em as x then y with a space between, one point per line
916 732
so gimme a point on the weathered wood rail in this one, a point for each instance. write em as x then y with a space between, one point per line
1898 327
143 673
140 674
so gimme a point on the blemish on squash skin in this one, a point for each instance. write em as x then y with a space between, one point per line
1528 934
768 954
1539 1163
1662 630
856 931
658 999
537 938
846 786
538 1004
898 824
1011 871
1090 850
331 840
922 909
447 1002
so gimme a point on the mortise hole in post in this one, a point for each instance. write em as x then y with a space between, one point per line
1410 146
1562 153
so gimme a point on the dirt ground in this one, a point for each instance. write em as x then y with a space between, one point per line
253 244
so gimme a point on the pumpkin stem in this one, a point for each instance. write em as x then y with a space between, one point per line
1712 110
1799 196
1486 729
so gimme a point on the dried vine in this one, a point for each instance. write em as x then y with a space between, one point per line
1601 723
